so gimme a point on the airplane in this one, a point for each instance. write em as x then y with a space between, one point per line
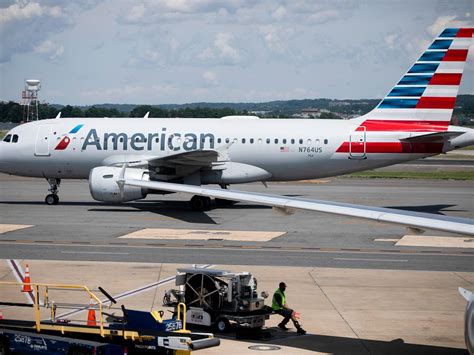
125 159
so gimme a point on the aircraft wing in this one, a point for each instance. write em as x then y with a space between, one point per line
380 214
193 158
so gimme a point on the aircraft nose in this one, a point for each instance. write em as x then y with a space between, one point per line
3 158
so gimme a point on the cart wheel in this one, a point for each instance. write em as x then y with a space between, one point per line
4 348
222 325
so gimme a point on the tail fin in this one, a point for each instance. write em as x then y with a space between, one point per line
426 94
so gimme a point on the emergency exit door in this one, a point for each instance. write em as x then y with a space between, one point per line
357 144
43 138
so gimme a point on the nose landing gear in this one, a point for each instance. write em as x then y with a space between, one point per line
52 198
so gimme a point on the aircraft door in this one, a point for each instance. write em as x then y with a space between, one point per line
43 138
357 144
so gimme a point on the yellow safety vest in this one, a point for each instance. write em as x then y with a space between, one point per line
275 305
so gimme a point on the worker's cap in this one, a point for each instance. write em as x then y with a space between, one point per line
282 285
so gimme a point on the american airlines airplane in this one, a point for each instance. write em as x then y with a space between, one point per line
127 158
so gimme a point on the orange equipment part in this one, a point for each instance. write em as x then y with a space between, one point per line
27 281
91 322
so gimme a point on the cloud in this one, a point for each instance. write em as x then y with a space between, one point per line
222 51
150 11
21 12
224 47
391 39
210 77
27 25
145 57
439 25
50 49
279 13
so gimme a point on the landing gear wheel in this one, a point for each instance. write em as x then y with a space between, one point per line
51 199
200 203
222 325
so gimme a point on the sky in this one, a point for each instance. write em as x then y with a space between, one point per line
179 51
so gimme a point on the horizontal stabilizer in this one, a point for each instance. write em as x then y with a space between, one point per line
433 137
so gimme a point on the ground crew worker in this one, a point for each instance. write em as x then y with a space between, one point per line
280 306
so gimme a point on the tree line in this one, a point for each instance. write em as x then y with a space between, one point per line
13 112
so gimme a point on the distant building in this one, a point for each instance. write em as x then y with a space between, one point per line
312 112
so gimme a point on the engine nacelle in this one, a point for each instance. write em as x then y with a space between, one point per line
103 184
235 173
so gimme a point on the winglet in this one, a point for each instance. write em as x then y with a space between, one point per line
147 114
58 115
468 295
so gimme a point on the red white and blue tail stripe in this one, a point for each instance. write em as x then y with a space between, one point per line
424 98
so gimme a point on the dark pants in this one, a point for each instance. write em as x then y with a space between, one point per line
286 314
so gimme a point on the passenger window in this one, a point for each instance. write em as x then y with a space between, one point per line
251 140
243 140
284 141
227 140
8 138
219 140
325 141
276 140
309 141
292 141
301 141
268 140
157 140
235 140
260 140
15 138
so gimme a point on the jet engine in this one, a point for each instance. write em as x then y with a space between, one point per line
103 184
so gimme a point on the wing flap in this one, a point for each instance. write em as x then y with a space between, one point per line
380 214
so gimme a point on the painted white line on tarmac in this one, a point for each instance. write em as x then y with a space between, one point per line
387 260
93 252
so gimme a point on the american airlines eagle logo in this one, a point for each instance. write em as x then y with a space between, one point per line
66 140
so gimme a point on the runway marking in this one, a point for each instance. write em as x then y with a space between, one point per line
19 274
203 234
5 228
93 252
394 240
387 260
233 247
439 242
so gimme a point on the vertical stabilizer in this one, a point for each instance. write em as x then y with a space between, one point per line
426 94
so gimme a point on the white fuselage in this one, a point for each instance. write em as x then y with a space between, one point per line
288 149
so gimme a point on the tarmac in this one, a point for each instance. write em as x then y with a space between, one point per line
361 287
345 311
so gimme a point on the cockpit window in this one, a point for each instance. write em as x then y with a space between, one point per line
8 138
15 138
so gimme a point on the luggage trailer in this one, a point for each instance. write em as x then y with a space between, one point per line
135 332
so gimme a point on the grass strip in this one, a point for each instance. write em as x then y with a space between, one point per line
442 175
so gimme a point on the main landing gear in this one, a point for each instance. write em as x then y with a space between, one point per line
200 203
52 198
